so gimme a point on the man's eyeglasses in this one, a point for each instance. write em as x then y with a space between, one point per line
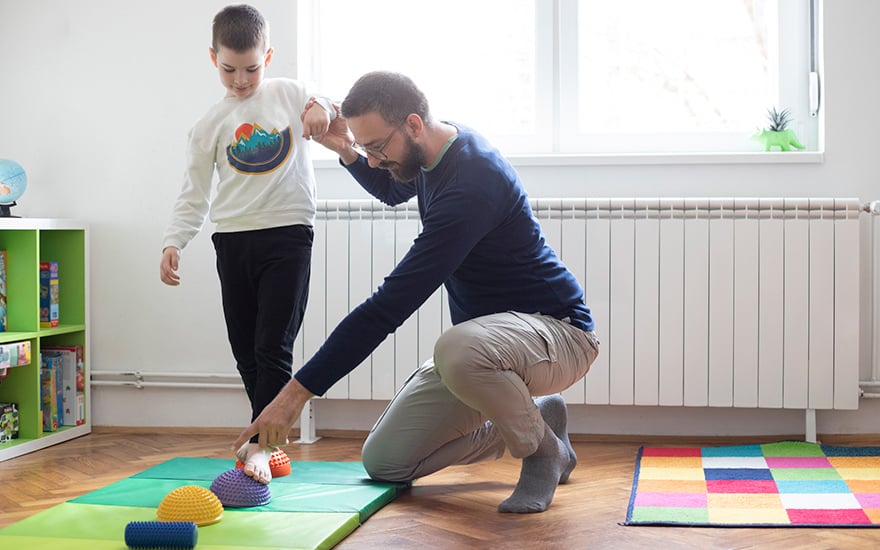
376 152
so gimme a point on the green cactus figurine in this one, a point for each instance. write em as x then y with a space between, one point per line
778 134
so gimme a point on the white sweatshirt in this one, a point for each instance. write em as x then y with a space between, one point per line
264 167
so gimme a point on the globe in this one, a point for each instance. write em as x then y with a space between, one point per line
13 182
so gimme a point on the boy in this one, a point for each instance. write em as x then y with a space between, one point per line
263 208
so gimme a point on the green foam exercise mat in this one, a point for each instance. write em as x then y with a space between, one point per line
75 526
286 497
315 507
330 473
47 543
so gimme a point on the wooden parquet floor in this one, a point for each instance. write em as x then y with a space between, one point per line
452 509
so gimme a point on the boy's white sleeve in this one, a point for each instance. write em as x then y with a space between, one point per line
327 105
193 203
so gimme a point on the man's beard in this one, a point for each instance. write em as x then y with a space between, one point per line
411 165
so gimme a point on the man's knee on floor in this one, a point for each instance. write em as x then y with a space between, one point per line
380 466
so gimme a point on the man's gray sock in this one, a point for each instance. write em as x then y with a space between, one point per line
555 414
542 471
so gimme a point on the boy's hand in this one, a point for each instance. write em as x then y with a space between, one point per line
315 119
335 136
169 265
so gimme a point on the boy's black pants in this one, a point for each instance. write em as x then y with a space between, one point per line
264 281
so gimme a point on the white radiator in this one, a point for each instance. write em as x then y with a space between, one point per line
723 302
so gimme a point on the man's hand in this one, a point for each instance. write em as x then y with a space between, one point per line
169 265
274 423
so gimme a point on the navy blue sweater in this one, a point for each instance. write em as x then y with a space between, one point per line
478 237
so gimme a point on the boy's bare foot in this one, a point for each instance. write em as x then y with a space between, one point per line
256 462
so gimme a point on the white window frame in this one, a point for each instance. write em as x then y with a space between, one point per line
556 140
791 83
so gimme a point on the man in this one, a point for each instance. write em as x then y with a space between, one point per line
521 327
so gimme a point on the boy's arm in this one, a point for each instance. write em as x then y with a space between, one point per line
190 209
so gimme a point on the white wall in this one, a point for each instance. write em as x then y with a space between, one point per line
96 99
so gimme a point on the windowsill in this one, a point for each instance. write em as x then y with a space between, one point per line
629 159
635 159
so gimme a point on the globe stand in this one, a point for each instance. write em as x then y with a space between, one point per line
4 210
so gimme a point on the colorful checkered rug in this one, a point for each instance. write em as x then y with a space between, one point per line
777 484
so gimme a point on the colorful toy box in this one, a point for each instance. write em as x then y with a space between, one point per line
3 320
14 354
72 382
49 295
8 422
51 392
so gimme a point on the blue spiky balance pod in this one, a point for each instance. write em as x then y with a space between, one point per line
161 534
235 489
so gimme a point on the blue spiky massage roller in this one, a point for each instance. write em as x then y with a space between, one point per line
161 534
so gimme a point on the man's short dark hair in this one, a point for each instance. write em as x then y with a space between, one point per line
392 95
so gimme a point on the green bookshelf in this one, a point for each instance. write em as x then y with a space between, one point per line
27 242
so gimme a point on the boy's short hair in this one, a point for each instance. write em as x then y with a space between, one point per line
240 27
393 95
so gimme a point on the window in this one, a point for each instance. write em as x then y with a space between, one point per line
579 76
